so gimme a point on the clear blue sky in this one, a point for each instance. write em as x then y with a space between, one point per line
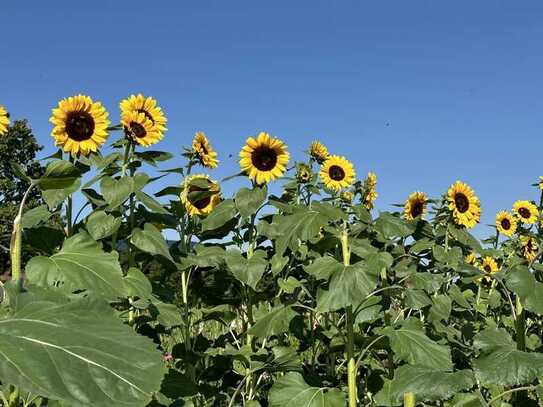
421 92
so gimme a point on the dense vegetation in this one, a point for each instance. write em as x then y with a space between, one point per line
310 298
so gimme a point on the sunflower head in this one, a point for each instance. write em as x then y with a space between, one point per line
488 266
139 128
4 120
303 173
464 205
80 125
264 158
415 205
526 211
202 150
149 107
200 195
471 259
506 224
528 247
337 173
318 152
370 192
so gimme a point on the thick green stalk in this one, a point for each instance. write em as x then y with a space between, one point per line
520 325
408 400
69 208
351 364
15 249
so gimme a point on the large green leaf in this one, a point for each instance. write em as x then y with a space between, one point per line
35 216
249 200
273 322
78 352
348 286
303 225
101 224
523 283
150 240
291 390
81 264
507 366
427 384
59 174
221 214
410 343
115 192
323 267
391 226
248 271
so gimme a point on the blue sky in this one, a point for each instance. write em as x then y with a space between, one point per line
421 92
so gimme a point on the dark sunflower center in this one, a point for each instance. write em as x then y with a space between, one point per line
336 173
264 158
416 209
79 126
506 225
524 212
146 113
487 268
199 203
461 201
137 130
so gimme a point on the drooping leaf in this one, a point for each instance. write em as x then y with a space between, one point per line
349 286
291 390
115 192
77 352
249 200
523 283
274 322
59 174
151 203
323 267
35 216
81 264
100 224
221 214
150 240
137 284
392 226
248 271
427 384
410 343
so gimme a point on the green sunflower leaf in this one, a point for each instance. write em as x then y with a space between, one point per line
291 390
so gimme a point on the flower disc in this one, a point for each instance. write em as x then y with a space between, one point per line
264 159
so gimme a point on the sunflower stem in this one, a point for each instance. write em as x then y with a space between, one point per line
409 399
69 207
351 364
520 325
16 243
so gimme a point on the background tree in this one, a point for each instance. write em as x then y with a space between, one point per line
19 146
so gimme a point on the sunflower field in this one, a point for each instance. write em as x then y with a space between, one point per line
306 298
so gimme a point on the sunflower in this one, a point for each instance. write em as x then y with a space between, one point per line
370 195
200 195
80 125
303 173
203 151
506 224
464 205
140 128
4 120
264 159
337 173
529 247
471 259
149 107
526 211
318 152
489 267
415 206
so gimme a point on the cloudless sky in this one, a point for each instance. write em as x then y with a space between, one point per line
421 92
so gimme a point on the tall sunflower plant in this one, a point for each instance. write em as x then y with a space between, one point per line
180 295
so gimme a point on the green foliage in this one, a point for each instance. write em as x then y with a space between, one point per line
307 298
